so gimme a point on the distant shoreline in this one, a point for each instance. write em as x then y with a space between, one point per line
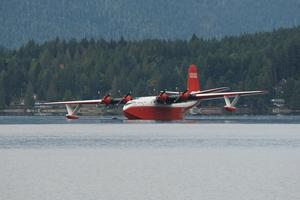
20 110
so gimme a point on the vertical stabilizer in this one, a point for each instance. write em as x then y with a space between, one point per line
193 80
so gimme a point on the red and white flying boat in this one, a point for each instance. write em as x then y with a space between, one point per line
168 105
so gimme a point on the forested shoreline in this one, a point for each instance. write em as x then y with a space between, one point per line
85 69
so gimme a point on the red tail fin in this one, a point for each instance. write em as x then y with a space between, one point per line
193 81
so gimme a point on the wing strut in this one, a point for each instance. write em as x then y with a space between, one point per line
230 105
72 112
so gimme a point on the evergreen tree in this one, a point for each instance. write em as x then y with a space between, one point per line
2 90
29 98
67 95
295 103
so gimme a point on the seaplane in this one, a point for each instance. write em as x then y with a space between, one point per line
167 105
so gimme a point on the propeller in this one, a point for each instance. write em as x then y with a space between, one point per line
183 96
162 97
125 99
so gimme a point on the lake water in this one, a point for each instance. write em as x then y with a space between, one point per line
232 157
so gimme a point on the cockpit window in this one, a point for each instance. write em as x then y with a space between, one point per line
130 102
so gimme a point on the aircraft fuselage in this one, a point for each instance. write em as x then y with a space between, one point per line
147 108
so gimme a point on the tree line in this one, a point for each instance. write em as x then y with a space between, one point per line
88 68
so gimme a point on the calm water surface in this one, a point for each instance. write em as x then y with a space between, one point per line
105 158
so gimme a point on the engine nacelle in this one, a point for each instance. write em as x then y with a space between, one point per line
106 100
230 108
184 96
126 98
163 97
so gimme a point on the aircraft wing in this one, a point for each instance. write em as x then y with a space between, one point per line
74 106
221 95
221 89
95 101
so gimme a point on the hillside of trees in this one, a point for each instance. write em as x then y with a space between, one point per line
64 70
22 20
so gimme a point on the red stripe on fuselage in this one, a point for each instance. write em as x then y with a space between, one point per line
155 113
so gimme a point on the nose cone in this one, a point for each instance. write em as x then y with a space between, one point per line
129 112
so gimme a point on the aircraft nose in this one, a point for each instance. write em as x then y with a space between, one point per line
127 111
